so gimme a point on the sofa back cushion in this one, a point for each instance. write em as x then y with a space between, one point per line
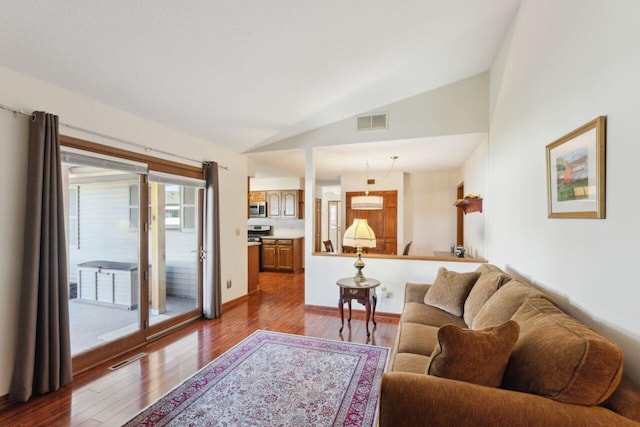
486 285
450 290
489 268
478 357
561 359
504 303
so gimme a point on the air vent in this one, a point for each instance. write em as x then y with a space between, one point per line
373 122
127 361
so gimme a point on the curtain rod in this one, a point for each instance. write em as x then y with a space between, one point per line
113 138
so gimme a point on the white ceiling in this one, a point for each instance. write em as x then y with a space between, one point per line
245 73
414 155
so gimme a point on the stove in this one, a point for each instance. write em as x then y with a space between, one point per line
256 232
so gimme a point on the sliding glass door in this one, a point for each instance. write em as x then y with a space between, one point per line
174 247
134 249
103 254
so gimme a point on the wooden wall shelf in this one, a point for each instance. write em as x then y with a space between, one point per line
469 205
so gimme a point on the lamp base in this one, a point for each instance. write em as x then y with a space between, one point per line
359 265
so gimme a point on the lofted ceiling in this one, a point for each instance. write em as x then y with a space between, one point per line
414 155
246 73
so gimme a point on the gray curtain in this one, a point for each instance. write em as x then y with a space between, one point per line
212 292
43 351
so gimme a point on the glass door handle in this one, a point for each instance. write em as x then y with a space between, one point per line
201 253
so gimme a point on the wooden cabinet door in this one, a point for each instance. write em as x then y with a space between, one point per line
269 259
256 196
289 207
285 257
274 200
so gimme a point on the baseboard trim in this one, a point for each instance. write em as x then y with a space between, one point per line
358 311
235 301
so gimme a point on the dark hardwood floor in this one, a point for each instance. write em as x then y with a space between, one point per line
103 397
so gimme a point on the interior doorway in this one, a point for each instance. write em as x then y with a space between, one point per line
460 216
334 226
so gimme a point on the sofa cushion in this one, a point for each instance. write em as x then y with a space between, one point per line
559 358
416 338
486 285
415 292
475 356
504 303
489 268
419 312
409 362
450 290
625 400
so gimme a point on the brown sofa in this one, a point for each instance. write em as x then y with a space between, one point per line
558 372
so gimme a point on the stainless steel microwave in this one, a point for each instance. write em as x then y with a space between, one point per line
257 210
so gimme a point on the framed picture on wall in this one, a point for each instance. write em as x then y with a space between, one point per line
576 172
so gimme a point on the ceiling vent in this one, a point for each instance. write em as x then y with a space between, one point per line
373 122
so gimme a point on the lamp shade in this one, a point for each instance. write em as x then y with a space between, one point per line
366 202
359 234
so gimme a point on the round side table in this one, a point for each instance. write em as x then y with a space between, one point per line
360 291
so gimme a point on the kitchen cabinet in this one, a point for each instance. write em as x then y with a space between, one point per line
285 204
254 267
282 254
257 196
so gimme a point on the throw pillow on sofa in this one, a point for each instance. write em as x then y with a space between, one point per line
560 358
504 303
486 285
474 356
450 290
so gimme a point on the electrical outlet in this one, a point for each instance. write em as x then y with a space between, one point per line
228 283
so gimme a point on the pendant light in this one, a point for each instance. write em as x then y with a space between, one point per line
368 202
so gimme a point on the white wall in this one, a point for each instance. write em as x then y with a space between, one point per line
475 174
430 216
564 63
322 272
22 92
454 109
276 183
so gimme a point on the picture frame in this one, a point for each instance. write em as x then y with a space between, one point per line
576 172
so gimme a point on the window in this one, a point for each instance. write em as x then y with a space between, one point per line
133 206
189 203
172 206
74 223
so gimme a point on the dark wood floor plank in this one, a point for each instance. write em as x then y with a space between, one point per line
100 397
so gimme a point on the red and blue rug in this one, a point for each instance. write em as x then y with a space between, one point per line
276 379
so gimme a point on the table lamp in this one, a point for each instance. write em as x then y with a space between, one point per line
359 235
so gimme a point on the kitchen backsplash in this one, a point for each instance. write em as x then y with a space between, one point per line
281 227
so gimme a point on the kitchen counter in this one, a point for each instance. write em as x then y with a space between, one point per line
253 243
280 236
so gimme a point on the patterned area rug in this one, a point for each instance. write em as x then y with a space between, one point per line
275 379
